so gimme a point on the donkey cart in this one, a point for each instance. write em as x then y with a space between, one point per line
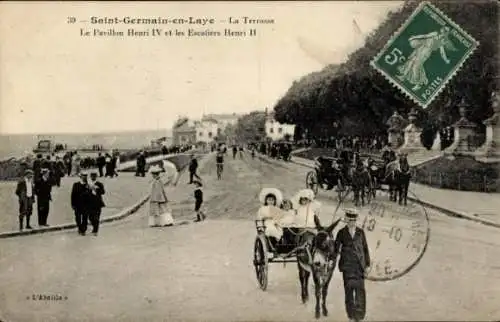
267 251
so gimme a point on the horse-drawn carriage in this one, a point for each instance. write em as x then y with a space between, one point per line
331 171
343 173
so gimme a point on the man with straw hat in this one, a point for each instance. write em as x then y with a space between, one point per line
96 202
354 264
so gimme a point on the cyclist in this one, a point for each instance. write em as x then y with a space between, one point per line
219 159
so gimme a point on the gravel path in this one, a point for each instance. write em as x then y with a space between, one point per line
204 272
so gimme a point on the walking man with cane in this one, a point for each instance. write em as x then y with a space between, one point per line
96 203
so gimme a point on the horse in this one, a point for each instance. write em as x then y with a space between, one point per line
361 182
398 178
402 179
316 256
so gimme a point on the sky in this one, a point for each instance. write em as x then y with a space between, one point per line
53 80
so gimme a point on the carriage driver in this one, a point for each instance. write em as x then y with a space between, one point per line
271 199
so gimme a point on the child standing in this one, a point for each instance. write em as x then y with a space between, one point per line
198 196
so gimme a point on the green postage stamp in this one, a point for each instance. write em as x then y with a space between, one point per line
424 54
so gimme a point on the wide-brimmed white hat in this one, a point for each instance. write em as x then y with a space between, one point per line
305 193
271 191
155 169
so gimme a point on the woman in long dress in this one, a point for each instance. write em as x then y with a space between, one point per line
159 213
413 69
271 199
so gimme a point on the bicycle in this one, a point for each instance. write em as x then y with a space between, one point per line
220 168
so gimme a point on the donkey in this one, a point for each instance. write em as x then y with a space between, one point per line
316 256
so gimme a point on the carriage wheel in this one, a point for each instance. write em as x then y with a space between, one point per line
261 261
312 181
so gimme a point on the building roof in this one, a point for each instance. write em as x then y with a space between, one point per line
186 127
221 116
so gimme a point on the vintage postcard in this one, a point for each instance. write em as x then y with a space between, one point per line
249 161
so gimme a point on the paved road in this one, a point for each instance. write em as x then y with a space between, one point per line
204 272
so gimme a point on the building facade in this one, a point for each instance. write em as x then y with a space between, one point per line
277 131
184 132
207 130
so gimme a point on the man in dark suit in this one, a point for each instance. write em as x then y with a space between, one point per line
80 199
37 166
25 192
193 166
43 191
58 171
141 165
96 203
354 264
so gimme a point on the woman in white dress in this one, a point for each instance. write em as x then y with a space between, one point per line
270 213
159 213
307 209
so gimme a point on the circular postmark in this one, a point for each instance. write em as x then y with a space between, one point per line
397 236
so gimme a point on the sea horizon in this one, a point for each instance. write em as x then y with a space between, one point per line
19 144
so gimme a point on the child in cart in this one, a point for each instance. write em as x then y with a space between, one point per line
270 213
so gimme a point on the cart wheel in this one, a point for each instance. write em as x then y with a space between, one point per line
312 181
261 261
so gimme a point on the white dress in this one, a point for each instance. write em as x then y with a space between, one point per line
271 216
288 219
305 215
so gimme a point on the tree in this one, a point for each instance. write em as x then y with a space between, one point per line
355 94
251 126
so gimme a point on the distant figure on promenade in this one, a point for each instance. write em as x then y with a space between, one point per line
109 166
116 163
43 191
37 166
354 264
25 192
47 163
241 152
80 199
76 164
193 167
219 160
68 163
235 150
96 203
58 171
198 197
159 213
101 163
141 165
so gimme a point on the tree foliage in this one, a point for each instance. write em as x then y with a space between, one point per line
251 127
360 100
